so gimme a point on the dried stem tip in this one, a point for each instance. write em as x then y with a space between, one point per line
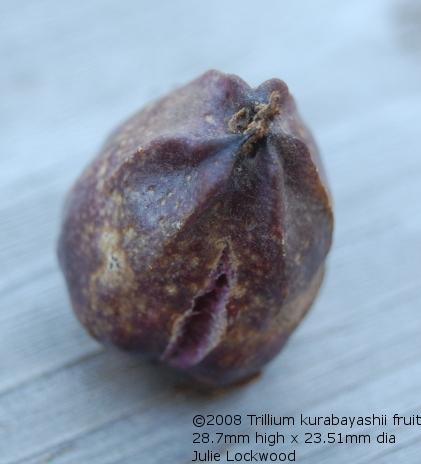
254 121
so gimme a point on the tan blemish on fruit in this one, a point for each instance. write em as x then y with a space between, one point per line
298 258
113 275
107 310
171 289
117 198
102 170
238 291
112 207
114 272
194 261
210 119
289 318
129 235
108 240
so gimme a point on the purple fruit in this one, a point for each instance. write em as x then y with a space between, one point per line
198 235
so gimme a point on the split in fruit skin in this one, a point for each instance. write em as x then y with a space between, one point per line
200 329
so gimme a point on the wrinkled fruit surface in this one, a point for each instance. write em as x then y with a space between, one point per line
198 235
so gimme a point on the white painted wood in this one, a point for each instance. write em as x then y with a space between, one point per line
69 73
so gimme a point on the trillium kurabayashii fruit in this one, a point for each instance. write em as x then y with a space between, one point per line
198 235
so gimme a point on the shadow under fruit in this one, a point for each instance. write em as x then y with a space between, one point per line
198 235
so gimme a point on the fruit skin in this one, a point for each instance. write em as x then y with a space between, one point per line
198 235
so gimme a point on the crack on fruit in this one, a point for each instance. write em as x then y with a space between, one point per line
254 122
198 331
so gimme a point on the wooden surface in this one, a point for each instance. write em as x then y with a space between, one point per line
69 72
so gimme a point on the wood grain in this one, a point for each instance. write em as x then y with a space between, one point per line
70 72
